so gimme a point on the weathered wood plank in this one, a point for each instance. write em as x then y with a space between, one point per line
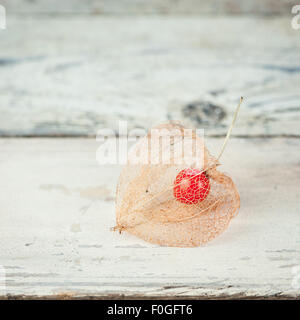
57 206
150 6
73 75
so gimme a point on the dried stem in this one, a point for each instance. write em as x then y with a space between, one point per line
230 129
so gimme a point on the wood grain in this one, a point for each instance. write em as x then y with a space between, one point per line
57 207
73 75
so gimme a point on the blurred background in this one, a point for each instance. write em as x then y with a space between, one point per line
71 67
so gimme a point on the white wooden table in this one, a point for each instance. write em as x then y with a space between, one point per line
57 207
72 76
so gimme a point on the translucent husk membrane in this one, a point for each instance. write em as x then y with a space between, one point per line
147 208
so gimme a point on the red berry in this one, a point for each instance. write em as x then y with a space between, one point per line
191 186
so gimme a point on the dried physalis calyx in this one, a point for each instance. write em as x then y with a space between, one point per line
170 192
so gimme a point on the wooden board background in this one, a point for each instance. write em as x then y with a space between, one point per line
57 207
74 75
125 7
